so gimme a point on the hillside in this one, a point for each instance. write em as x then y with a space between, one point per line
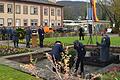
74 9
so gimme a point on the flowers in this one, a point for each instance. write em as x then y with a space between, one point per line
4 50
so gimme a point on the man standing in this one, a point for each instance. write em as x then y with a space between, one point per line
81 33
41 35
15 37
28 34
79 47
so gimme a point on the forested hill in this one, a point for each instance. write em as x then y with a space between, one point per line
74 9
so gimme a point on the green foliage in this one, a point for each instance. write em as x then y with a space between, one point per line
21 33
111 76
72 52
7 73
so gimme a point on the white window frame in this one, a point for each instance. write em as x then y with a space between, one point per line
34 22
33 10
45 11
9 21
2 8
18 9
25 21
58 12
9 8
1 22
19 22
25 9
52 12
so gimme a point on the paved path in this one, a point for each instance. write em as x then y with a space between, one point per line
5 42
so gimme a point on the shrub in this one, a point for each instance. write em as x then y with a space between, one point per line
21 33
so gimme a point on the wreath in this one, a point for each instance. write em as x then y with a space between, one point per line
21 33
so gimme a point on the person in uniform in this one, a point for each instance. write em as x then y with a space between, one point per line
79 47
104 48
15 37
81 33
41 36
56 54
28 34
57 50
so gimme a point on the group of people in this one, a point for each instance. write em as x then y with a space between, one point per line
81 52
13 34
5 32
58 49
28 36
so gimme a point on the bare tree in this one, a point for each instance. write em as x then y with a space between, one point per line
112 9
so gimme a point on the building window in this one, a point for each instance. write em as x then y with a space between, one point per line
25 22
46 11
1 8
52 12
25 9
45 22
58 12
1 22
18 22
9 8
18 9
34 22
9 21
52 23
33 10
58 24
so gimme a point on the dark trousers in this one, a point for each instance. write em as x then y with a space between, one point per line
16 44
28 44
3 36
81 37
79 60
41 43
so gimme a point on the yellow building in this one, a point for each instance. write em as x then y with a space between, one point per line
22 13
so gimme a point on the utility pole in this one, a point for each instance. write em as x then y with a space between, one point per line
14 14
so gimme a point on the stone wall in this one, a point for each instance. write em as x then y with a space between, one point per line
113 49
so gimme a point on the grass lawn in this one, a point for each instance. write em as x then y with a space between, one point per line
7 73
115 40
69 40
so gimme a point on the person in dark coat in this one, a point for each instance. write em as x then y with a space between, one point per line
79 47
41 35
28 34
15 37
56 53
4 31
81 33
104 48
9 33
57 50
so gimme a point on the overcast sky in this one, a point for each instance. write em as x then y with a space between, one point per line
71 0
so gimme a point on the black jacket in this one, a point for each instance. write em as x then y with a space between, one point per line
79 47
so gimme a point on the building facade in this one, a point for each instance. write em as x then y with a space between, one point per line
22 13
